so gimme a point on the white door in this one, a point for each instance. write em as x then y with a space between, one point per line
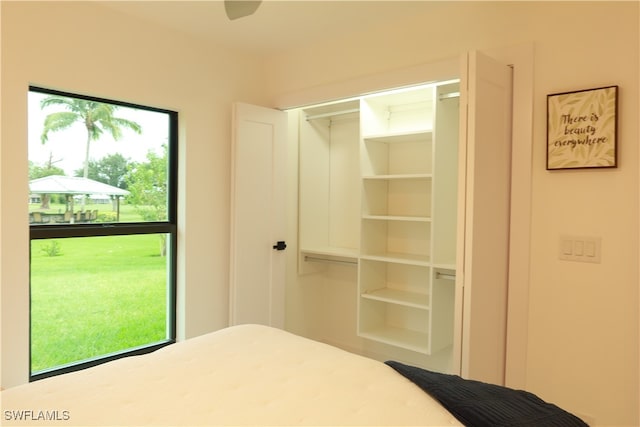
483 233
258 207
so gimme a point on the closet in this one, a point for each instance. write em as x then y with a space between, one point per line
399 208
378 191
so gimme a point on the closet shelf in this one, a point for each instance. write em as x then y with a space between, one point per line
396 296
403 338
398 218
329 260
333 114
330 254
400 137
329 110
400 176
399 258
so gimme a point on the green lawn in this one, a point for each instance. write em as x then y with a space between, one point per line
99 295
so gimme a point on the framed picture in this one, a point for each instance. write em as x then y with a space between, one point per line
582 129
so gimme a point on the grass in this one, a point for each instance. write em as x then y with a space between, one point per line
97 296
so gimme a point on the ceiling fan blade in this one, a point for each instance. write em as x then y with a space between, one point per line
238 8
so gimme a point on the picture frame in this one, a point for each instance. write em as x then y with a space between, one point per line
582 129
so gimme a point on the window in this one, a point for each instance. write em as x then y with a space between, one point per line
102 214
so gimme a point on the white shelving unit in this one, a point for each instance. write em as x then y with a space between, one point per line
405 298
377 190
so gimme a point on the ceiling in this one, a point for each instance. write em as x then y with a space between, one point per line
277 25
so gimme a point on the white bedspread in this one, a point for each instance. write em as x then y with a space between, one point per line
243 375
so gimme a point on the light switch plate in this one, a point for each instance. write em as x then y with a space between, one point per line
580 248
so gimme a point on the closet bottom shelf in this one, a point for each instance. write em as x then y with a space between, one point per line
398 337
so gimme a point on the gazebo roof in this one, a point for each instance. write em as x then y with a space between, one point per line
58 184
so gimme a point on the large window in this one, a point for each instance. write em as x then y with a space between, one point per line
102 215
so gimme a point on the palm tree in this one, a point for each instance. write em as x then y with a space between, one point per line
97 117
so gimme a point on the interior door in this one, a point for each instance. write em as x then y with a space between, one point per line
258 208
483 234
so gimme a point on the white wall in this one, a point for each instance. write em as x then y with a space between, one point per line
583 332
84 48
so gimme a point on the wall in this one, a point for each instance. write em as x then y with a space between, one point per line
582 350
84 48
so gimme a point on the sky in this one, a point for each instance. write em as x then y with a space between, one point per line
67 147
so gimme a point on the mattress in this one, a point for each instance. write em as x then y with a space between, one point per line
242 375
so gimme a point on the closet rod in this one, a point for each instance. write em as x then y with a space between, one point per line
328 260
449 95
445 276
333 113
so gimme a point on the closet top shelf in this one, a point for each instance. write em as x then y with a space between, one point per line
399 137
330 110
404 176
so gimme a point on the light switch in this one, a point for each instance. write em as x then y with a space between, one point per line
580 248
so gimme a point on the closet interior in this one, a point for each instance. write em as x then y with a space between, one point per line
377 220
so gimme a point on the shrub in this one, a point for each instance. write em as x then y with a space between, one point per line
52 248
107 217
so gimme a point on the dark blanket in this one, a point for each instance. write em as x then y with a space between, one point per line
475 403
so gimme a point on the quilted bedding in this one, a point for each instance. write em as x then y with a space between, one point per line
242 375
479 404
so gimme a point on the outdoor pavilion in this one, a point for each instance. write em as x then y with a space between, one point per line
71 186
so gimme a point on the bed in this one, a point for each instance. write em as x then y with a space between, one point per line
247 375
